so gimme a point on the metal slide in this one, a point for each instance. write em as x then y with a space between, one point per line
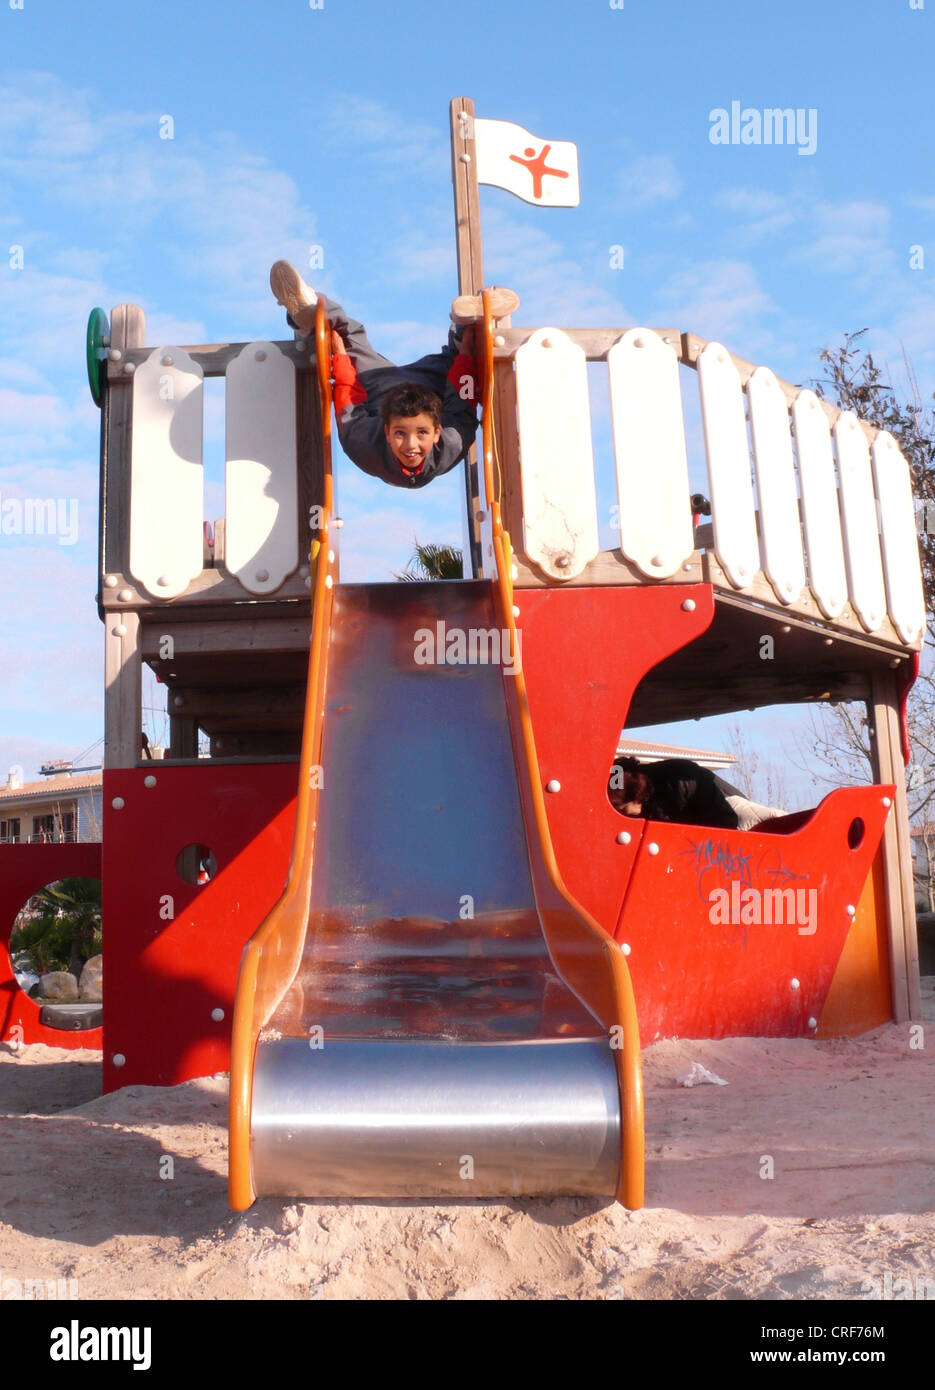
426 1012
427 1044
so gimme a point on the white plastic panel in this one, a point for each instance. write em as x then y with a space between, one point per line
780 527
902 571
649 447
166 473
827 577
556 459
729 476
261 531
859 517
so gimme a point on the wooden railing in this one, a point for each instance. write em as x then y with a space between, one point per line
812 508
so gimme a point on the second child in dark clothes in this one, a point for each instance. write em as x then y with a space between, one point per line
674 789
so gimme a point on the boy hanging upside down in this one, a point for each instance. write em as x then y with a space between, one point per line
406 424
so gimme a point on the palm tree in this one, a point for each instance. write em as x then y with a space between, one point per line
60 928
433 562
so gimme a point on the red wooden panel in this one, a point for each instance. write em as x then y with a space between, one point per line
173 949
584 653
696 978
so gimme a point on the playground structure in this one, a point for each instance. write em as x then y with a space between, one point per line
448 997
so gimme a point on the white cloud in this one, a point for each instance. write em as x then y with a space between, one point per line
649 179
717 299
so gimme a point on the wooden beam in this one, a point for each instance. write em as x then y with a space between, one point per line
127 330
595 342
212 586
213 358
257 635
886 750
123 725
183 736
469 252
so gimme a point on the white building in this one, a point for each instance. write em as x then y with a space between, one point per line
55 810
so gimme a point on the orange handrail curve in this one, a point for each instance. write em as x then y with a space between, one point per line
272 954
570 930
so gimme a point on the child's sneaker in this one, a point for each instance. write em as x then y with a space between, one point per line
468 308
297 298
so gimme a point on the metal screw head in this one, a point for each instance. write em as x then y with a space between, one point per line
623 837
652 847
167 361
118 803
260 355
689 605
553 785
262 576
562 561
118 1059
149 781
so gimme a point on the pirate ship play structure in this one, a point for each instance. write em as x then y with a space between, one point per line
448 996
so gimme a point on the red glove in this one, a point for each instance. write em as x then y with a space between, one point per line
347 389
464 366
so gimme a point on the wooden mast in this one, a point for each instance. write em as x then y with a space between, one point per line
470 276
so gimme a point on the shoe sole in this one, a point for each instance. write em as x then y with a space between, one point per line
292 293
468 308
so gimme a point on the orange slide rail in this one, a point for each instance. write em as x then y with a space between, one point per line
587 957
271 956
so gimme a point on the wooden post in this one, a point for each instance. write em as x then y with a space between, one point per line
123 727
470 276
896 847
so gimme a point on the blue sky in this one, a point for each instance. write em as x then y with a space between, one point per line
297 127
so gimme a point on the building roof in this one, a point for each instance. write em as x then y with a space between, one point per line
655 752
50 788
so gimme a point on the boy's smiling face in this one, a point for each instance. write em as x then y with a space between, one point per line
412 438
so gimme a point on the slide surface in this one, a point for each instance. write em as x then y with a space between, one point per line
426 1043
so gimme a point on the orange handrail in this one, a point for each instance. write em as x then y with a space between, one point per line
271 956
586 956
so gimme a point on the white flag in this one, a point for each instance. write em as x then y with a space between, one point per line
544 172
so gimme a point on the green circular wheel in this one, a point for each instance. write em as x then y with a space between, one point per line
98 337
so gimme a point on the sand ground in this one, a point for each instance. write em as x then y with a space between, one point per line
848 1124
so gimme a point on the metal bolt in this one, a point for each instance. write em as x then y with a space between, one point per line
652 847
149 781
120 630
262 576
260 355
217 1015
689 605
167 361
110 581
553 785
119 1060
623 838
793 983
118 803
625 947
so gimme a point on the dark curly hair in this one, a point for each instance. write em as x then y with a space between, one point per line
408 399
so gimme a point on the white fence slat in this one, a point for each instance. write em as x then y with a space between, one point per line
556 458
820 512
653 490
725 432
900 543
780 526
166 473
859 517
261 488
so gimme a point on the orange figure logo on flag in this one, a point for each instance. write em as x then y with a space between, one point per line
537 166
